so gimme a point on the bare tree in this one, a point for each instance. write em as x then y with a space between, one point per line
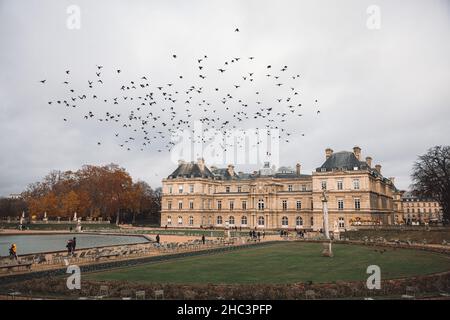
431 177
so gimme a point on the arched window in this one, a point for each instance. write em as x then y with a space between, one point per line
261 204
180 220
261 221
231 220
299 221
191 220
244 220
284 221
169 220
219 219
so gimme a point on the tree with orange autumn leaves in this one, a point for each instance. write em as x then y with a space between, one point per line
93 191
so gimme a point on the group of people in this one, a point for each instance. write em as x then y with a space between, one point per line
257 235
71 245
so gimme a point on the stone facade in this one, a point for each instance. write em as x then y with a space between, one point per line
420 210
197 196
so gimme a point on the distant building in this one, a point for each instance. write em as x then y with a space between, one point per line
420 210
358 194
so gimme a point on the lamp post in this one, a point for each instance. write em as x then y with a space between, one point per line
325 214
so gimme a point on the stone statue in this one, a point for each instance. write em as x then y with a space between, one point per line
75 216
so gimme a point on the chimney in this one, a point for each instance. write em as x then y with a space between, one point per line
297 168
357 152
392 180
231 170
328 152
378 168
201 164
369 161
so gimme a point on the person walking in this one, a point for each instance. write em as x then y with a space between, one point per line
264 234
203 239
13 251
259 236
74 244
157 238
69 246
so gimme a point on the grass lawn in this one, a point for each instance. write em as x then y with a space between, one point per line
283 263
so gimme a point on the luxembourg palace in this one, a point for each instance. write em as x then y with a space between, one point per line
196 195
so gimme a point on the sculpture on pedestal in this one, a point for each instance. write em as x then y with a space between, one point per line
326 252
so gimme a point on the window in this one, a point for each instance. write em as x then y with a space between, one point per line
180 188
180 220
244 220
299 221
191 188
219 204
341 222
231 220
357 204
324 184
209 204
299 205
303 187
180 205
231 205
284 221
244 205
312 221
170 189
227 189
260 221
219 219
340 204
169 205
290 187
284 205
209 189
191 220
260 204
191 204
340 185
239 189
356 184
169 220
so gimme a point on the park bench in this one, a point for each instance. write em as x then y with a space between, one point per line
18 266
410 293
159 294
140 295
310 294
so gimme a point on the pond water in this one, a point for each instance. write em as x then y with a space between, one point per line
57 242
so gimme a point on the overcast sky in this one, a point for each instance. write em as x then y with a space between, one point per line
385 90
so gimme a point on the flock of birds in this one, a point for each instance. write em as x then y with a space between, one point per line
148 113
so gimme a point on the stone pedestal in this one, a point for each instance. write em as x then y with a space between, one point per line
327 251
